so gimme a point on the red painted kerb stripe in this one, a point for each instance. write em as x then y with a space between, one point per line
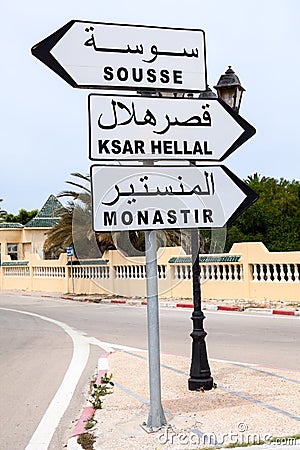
285 313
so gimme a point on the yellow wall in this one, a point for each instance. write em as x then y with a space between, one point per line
258 275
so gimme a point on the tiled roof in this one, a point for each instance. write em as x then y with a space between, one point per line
188 259
89 262
48 215
15 263
10 225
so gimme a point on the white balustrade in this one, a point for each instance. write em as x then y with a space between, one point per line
215 272
162 272
49 272
90 272
254 272
218 272
275 273
296 272
137 271
130 271
16 271
289 273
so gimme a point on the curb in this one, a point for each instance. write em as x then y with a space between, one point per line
79 429
88 411
190 305
166 304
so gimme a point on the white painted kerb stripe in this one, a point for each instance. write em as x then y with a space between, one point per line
102 364
42 436
73 444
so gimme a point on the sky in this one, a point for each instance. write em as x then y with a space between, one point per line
44 123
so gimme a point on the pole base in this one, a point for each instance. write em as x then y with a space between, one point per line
195 384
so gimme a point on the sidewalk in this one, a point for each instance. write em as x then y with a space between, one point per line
283 307
250 404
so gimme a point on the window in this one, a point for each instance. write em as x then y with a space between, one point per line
12 251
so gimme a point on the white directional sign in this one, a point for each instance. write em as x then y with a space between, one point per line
110 56
153 197
143 128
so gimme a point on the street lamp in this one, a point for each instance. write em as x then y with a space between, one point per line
230 90
200 376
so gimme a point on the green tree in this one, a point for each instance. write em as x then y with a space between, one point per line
2 212
22 217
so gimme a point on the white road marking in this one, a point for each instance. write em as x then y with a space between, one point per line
42 436
106 347
109 347
233 362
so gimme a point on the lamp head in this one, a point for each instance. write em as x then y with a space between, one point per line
230 90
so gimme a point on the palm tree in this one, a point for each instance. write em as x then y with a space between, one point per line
2 212
75 226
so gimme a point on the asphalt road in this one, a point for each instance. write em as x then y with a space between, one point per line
34 357
36 353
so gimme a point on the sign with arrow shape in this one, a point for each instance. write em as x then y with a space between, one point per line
144 128
166 197
118 56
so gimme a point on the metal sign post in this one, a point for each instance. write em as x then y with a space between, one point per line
70 254
156 417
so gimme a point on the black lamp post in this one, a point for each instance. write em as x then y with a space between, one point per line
200 376
230 90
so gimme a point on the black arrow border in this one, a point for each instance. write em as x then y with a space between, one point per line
251 196
42 52
249 130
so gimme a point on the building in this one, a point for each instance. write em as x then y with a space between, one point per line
19 241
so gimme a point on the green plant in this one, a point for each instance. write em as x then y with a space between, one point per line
100 390
90 424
